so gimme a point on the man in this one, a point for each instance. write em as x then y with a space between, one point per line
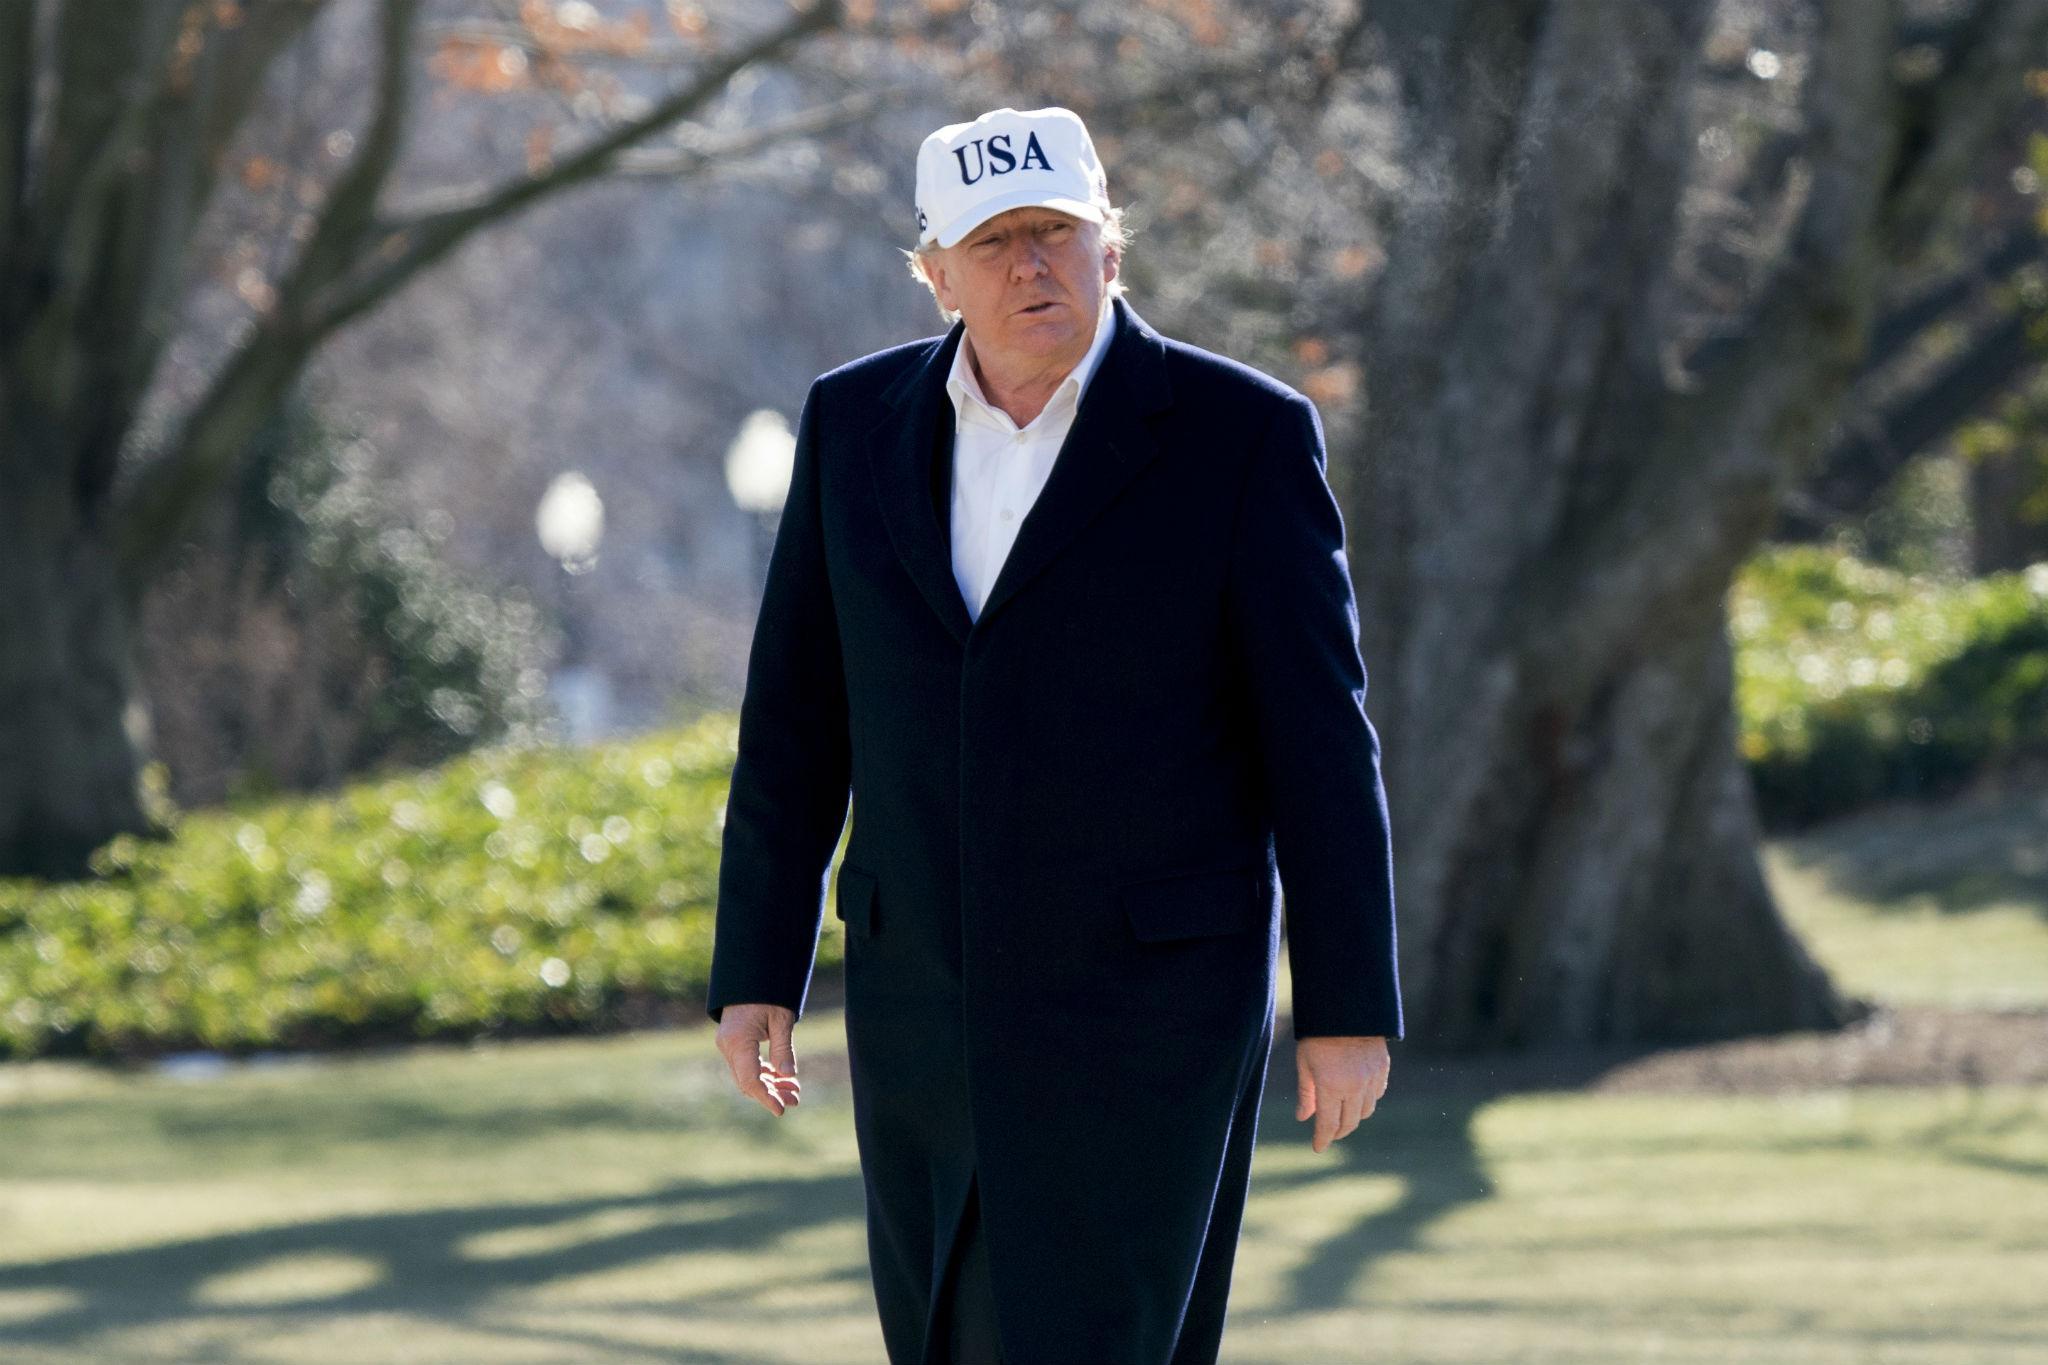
1063 607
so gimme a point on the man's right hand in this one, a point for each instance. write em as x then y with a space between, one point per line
741 1031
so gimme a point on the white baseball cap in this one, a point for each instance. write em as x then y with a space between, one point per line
967 173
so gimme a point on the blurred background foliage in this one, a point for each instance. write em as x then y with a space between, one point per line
312 629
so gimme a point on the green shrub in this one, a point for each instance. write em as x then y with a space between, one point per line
1857 683
511 889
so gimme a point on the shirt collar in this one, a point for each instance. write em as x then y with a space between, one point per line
962 386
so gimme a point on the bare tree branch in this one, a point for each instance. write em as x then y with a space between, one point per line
355 260
409 245
235 69
2018 247
1864 462
686 161
1874 447
349 215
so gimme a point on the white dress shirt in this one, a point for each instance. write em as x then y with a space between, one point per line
999 468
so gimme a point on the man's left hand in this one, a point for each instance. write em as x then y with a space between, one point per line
1339 1081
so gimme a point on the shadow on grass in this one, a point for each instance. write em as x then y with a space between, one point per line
424 1269
1957 856
1429 1148
1423 1136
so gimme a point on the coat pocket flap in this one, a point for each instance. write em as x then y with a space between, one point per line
856 900
1193 904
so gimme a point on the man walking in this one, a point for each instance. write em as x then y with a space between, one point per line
1062 607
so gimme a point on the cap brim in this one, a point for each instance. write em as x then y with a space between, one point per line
1026 198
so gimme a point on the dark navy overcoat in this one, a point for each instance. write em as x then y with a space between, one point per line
1070 817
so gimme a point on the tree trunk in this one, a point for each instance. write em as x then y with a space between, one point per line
1551 496
1606 885
72 740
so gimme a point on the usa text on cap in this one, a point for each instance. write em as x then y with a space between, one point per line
967 173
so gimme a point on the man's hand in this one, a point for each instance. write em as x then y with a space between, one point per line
741 1031
1339 1081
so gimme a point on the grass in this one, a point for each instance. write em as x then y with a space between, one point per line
580 1200
610 1200
1944 904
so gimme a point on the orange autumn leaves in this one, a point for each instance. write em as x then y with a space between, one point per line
549 36
1332 384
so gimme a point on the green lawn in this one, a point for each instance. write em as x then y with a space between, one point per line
610 1200
1939 904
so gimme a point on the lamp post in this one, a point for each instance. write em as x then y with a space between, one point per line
758 464
570 523
570 520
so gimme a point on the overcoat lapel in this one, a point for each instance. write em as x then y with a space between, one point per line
1111 440
904 444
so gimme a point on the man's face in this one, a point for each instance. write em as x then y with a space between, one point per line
1028 283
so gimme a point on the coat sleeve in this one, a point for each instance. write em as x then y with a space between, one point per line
791 783
1295 621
